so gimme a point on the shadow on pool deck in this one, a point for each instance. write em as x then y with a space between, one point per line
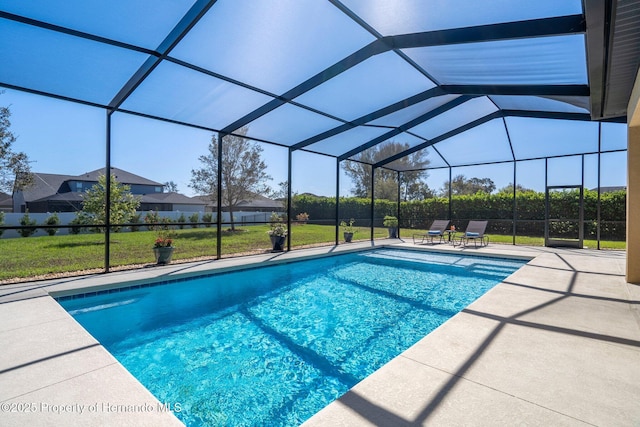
556 343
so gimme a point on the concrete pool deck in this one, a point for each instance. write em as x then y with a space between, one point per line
556 343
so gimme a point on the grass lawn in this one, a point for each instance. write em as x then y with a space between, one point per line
33 257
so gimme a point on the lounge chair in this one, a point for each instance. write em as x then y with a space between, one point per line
436 230
475 231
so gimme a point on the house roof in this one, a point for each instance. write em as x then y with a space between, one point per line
173 198
44 185
256 202
72 196
48 185
5 199
122 177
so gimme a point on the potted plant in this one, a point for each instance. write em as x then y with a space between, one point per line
348 229
163 247
277 233
391 222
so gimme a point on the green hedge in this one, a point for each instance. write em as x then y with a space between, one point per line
497 208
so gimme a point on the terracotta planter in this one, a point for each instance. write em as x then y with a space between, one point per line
163 255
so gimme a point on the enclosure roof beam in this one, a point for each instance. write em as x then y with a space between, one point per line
547 115
350 61
525 90
572 24
427 143
188 21
430 93
413 123
504 31
475 123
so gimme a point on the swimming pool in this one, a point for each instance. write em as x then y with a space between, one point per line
274 345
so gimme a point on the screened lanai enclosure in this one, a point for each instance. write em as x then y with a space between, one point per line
356 109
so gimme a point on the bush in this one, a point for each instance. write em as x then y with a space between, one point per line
181 219
27 222
152 218
497 208
80 219
193 219
207 219
135 219
52 220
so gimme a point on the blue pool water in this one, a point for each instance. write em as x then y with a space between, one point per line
274 345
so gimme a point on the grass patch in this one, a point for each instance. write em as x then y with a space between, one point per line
22 258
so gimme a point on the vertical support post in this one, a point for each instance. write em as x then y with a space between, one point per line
219 198
513 157
398 207
546 201
337 201
107 207
598 207
373 190
581 207
289 207
450 192
515 203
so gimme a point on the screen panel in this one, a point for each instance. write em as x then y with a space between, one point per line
542 60
271 45
60 64
373 84
178 93
392 17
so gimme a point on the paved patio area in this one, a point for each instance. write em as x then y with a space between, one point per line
557 343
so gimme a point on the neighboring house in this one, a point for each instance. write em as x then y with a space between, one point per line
171 202
64 193
6 204
257 203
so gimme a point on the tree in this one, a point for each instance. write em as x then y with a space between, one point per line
170 187
419 191
243 171
123 203
509 189
412 186
15 173
461 185
282 193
